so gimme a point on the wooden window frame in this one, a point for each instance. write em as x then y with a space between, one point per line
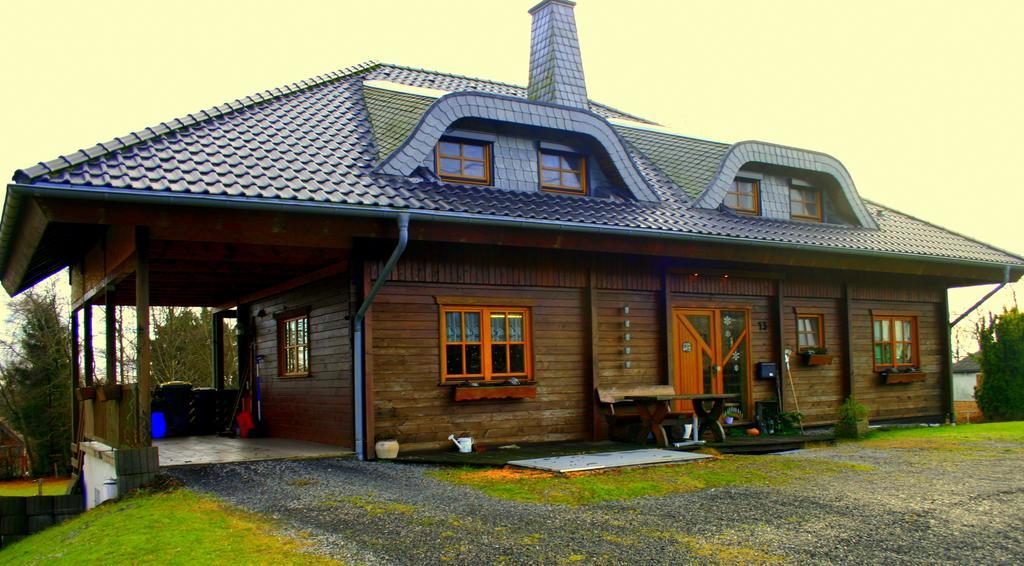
803 191
890 319
487 375
821 331
464 179
581 173
756 194
283 318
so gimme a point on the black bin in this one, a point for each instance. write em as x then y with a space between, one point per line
173 400
203 417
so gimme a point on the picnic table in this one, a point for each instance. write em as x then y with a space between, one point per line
654 408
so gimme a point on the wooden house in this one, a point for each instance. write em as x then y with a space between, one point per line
415 253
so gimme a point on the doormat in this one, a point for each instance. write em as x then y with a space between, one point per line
608 460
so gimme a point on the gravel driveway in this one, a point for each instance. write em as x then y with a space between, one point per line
912 506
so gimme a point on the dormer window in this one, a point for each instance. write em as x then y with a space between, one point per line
805 203
464 161
745 196
562 172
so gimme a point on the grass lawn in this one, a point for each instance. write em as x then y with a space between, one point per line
170 527
51 486
594 487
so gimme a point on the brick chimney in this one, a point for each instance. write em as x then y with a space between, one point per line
556 68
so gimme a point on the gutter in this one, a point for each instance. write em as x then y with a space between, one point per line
135 196
358 369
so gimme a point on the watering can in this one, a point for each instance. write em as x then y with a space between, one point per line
464 443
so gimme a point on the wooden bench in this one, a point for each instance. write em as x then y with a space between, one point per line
622 416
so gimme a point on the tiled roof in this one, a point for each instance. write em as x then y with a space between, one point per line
969 364
319 144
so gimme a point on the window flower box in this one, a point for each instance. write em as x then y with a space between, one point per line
83 393
890 377
484 392
815 359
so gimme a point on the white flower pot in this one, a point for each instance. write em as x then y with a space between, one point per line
387 449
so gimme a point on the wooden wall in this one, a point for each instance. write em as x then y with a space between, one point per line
410 403
317 408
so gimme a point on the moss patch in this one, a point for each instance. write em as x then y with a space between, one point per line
174 527
611 485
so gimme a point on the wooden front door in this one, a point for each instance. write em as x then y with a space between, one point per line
712 348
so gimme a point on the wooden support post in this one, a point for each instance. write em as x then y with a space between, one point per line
947 360
850 378
88 352
246 334
218 350
76 375
594 374
112 434
368 416
780 344
669 343
110 322
143 382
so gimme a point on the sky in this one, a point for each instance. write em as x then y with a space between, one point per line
919 99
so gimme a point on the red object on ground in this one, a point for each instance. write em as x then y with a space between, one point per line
245 424
753 432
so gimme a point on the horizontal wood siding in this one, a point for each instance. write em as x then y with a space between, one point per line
409 403
721 285
819 389
907 400
479 265
646 357
316 408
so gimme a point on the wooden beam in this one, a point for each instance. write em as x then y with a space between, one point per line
368 367
111 279
780 344
848 365
594 370
667 330
76 377
144 381
26 240
947 360
218 350
329 271
110 323
87 347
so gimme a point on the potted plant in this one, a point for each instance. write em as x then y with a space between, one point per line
386 448
731 414
853 419
815 357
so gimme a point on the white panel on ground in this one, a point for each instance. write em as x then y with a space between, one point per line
605 460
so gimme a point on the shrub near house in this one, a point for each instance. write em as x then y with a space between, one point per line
1001 391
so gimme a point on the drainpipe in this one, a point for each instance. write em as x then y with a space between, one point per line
950 405
359 347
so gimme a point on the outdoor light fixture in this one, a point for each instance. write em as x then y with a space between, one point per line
626 323
627 337
625 309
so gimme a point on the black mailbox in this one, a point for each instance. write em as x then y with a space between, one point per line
767 370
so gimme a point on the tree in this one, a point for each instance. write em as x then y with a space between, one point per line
35 384
181 346
1000 394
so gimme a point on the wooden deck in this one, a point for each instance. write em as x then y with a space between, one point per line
770 444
